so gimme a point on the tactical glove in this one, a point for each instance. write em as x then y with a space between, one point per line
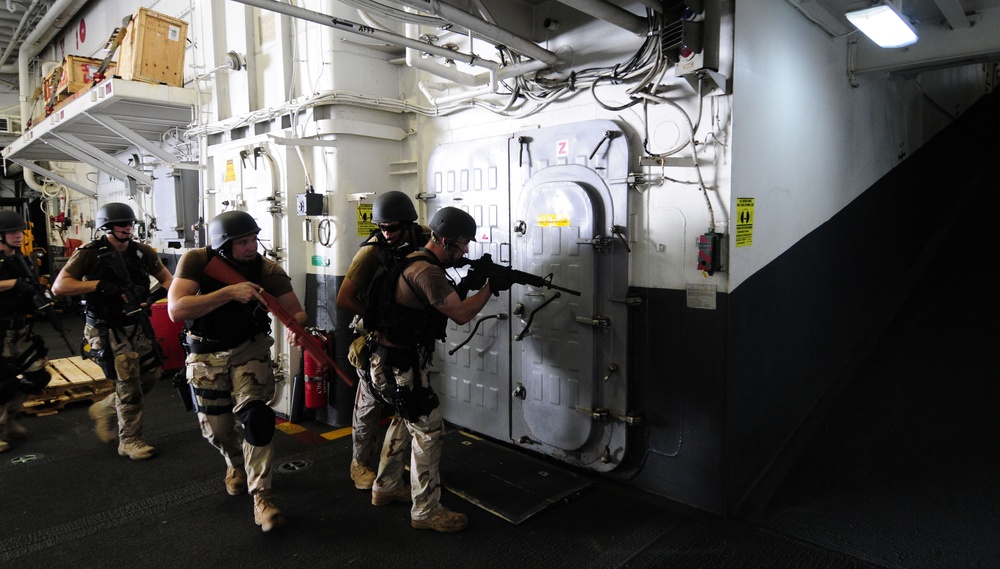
23 286
500 283
474 280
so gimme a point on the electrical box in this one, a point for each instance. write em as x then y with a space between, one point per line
708 252
309 203
700 36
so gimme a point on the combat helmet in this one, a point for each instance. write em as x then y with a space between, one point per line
114 213
451 222
10 220
393 206
230 225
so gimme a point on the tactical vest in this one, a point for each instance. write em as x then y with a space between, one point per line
110 308
13 304
234 322
400 324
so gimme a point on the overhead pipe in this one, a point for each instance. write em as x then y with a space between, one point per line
414 60
17 32
611 14
358 29
485 29
51 24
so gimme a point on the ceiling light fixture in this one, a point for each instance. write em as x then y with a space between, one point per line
884 24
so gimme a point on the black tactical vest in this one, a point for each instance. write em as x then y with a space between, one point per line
14 304
110 308
234 322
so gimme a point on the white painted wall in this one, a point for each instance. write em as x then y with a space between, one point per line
806 143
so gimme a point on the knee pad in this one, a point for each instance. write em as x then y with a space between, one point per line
34 381
258 423
8 389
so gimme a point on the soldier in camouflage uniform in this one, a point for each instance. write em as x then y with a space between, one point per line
425 299
229 353
396 218
116 338
23 352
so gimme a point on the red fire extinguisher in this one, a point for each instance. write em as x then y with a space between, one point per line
316 384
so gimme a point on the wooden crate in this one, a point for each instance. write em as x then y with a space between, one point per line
73 379
153 49
77 74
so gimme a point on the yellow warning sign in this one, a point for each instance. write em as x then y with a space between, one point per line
365 223
744 222
230 175
553 220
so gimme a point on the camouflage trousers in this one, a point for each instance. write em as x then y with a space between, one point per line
367 410
15 343
224 383
424 436
128 346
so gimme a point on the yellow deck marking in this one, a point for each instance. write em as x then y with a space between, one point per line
290 428
339 433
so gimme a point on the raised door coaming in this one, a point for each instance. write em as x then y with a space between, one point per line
554 362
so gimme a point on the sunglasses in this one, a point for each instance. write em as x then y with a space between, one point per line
389 227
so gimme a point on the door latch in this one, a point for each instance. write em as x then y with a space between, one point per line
600 322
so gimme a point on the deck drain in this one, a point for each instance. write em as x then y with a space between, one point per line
294 466
26 458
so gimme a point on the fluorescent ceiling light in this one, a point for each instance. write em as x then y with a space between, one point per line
885 25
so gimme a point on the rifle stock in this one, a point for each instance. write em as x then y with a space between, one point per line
223 272
42 298
133 304
487 268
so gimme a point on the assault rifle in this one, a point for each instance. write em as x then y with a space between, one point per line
133 303
42 297
485 267
223 272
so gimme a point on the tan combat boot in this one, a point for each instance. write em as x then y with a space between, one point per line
4 446
15 430
265 513
444 521
136 449
236 480
105 419
362 476
401 494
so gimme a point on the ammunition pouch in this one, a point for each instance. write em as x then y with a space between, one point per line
410 403
358 354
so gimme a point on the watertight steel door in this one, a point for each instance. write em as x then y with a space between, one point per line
471 371
547 373
568 352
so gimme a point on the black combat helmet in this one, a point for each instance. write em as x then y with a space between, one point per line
393 206
228 226
10 220
114 213
451 222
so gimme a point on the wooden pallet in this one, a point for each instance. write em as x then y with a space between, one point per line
73 379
